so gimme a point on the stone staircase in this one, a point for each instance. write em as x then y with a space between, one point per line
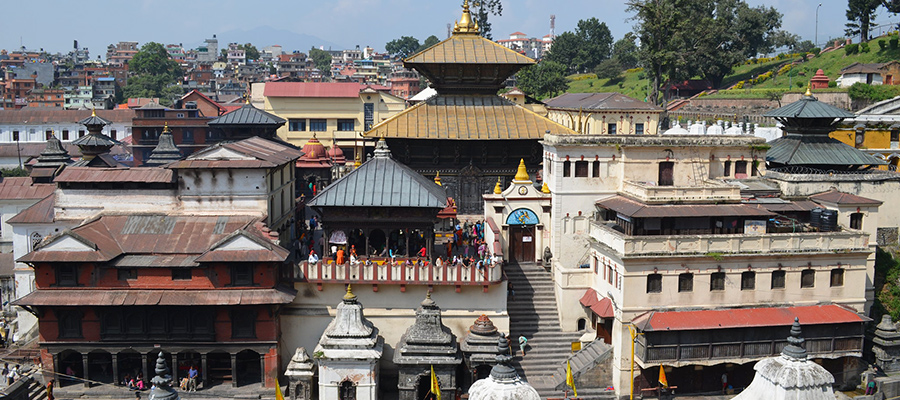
533 313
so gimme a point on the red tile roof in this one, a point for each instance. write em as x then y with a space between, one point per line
746 318
21 188
312 89
600 305
121 175
836 197
40 116
144 297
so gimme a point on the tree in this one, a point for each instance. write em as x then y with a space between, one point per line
430 41
583 50
486 8
544 79
250 51
661 29
784 39
805 46
625 51
860 17
608 69
154 74
322 59
403 47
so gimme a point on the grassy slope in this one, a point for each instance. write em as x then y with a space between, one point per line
831 63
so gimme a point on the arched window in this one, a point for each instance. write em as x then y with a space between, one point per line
347 391
35 239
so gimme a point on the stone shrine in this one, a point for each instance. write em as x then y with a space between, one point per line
427 343
300 372
479 348
503 383
887 345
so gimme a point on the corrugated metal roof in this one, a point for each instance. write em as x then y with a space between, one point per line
631 208
382 182
786 206
860 68
600 305
312 89
167 261
7 264
97 175
266 154
30 116
21 188
247 115
745 318
809 107
145 297
39 213
467 117
599 101
836 197
29 150
796 149
467 49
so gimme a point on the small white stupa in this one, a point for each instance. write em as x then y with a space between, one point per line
504 383
790 376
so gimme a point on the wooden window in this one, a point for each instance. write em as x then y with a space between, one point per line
181 274
318 125
748 280
65 134
611 128
69 324
654 283
581 169
243 324
717 281
66 275
856 220
666 173
242 275
686 282
740 169
347 391
567 169
837 277
595 169
727 171
126 274
639 129
346 125
609 274
778 279
808 278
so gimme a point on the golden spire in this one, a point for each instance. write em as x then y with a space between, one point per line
521 174
497 189
808 90
349 295
166 128
466 23
93 111
358 159
545 188
437 178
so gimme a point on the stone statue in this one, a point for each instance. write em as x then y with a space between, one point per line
162 382
547 257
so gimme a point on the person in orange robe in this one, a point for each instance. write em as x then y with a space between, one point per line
340 256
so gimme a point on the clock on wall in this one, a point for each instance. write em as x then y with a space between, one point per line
523 190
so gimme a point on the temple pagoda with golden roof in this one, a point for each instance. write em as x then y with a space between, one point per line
467 133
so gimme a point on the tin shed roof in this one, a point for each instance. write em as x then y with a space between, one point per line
745 318
631 208
144 297
253 152
837 197
121 175
247 115
22 188
599 101
795 149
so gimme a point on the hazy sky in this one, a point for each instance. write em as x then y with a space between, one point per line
53 24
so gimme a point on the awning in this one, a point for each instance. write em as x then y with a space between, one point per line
132 297
631 208
746 318
338 237
600 305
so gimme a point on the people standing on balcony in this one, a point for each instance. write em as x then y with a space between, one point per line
313 257
339 256
423 252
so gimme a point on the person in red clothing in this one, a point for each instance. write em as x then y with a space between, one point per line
340 256
422 253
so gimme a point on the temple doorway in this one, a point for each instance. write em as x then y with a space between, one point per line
521 243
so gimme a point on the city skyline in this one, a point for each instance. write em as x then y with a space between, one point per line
231 22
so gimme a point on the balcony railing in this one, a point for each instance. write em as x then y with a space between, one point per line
847 240
708 192
402 272
835 346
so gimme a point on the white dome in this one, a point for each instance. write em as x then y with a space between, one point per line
491 388
715 130
676 130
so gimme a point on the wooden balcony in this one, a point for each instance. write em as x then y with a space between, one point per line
685 354
401 272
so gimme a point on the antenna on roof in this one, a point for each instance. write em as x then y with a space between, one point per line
449 30
552 25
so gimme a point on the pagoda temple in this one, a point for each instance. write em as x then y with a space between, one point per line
467 133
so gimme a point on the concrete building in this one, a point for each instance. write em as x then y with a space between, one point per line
604 114
121 53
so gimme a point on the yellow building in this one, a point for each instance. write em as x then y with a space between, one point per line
876 130
604 114
333 112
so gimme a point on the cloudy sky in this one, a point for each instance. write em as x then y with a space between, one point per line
53 24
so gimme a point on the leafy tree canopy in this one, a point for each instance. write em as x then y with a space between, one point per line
250 51
154 74
429 41
582 50
403 47
625 51
860 17
608 69
485 8
322 59
544 79
153 59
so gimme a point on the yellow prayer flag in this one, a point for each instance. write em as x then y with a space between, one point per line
662 377
435 386
278 394
570 380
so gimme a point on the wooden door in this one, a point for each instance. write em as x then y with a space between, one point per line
666 173
521 243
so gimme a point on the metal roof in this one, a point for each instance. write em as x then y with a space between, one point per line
312 89
809 107
784 205
861 68
836 197
382 182
39 213
467 117
247 115
599 101
145 297
745 318
260 153
120 175
795 149
631 208
600 305
22 188
95 139
467 49
30 116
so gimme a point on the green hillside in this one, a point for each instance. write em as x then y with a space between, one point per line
760 77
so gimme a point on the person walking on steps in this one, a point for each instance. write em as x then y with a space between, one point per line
522 343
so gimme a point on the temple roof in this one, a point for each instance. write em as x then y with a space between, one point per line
467 49
247 115
382 182
809 107
165 151
54 155
253 152
599 101
350 334
796 149
428 340
467 117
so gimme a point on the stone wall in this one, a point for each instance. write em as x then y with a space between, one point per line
838 99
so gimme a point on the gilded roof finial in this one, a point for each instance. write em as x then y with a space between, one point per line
93 111
521 174
349 295
466 23
358 159
166 128
497 189
808 90
437 179
544 188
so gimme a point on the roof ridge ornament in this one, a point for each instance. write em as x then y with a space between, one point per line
497 189
794 349
381 149
521 173
466 23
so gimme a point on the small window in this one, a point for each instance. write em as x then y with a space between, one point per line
69 324
297 125
595 169
654 283
856 221
748 280
113 133
65 134
581 169
81 133
318 125
686 282
611 128
16 136
346 125
837 277
347 391
181 274
187 135
740 169
243 324
717 281
47 135
808 278
127 274
567 169
179 115
727 171
778 279
639 129
66 275
242 275
895 135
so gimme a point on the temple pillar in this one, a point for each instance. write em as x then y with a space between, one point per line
115 368
234 373
144 366
203 371
84 366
